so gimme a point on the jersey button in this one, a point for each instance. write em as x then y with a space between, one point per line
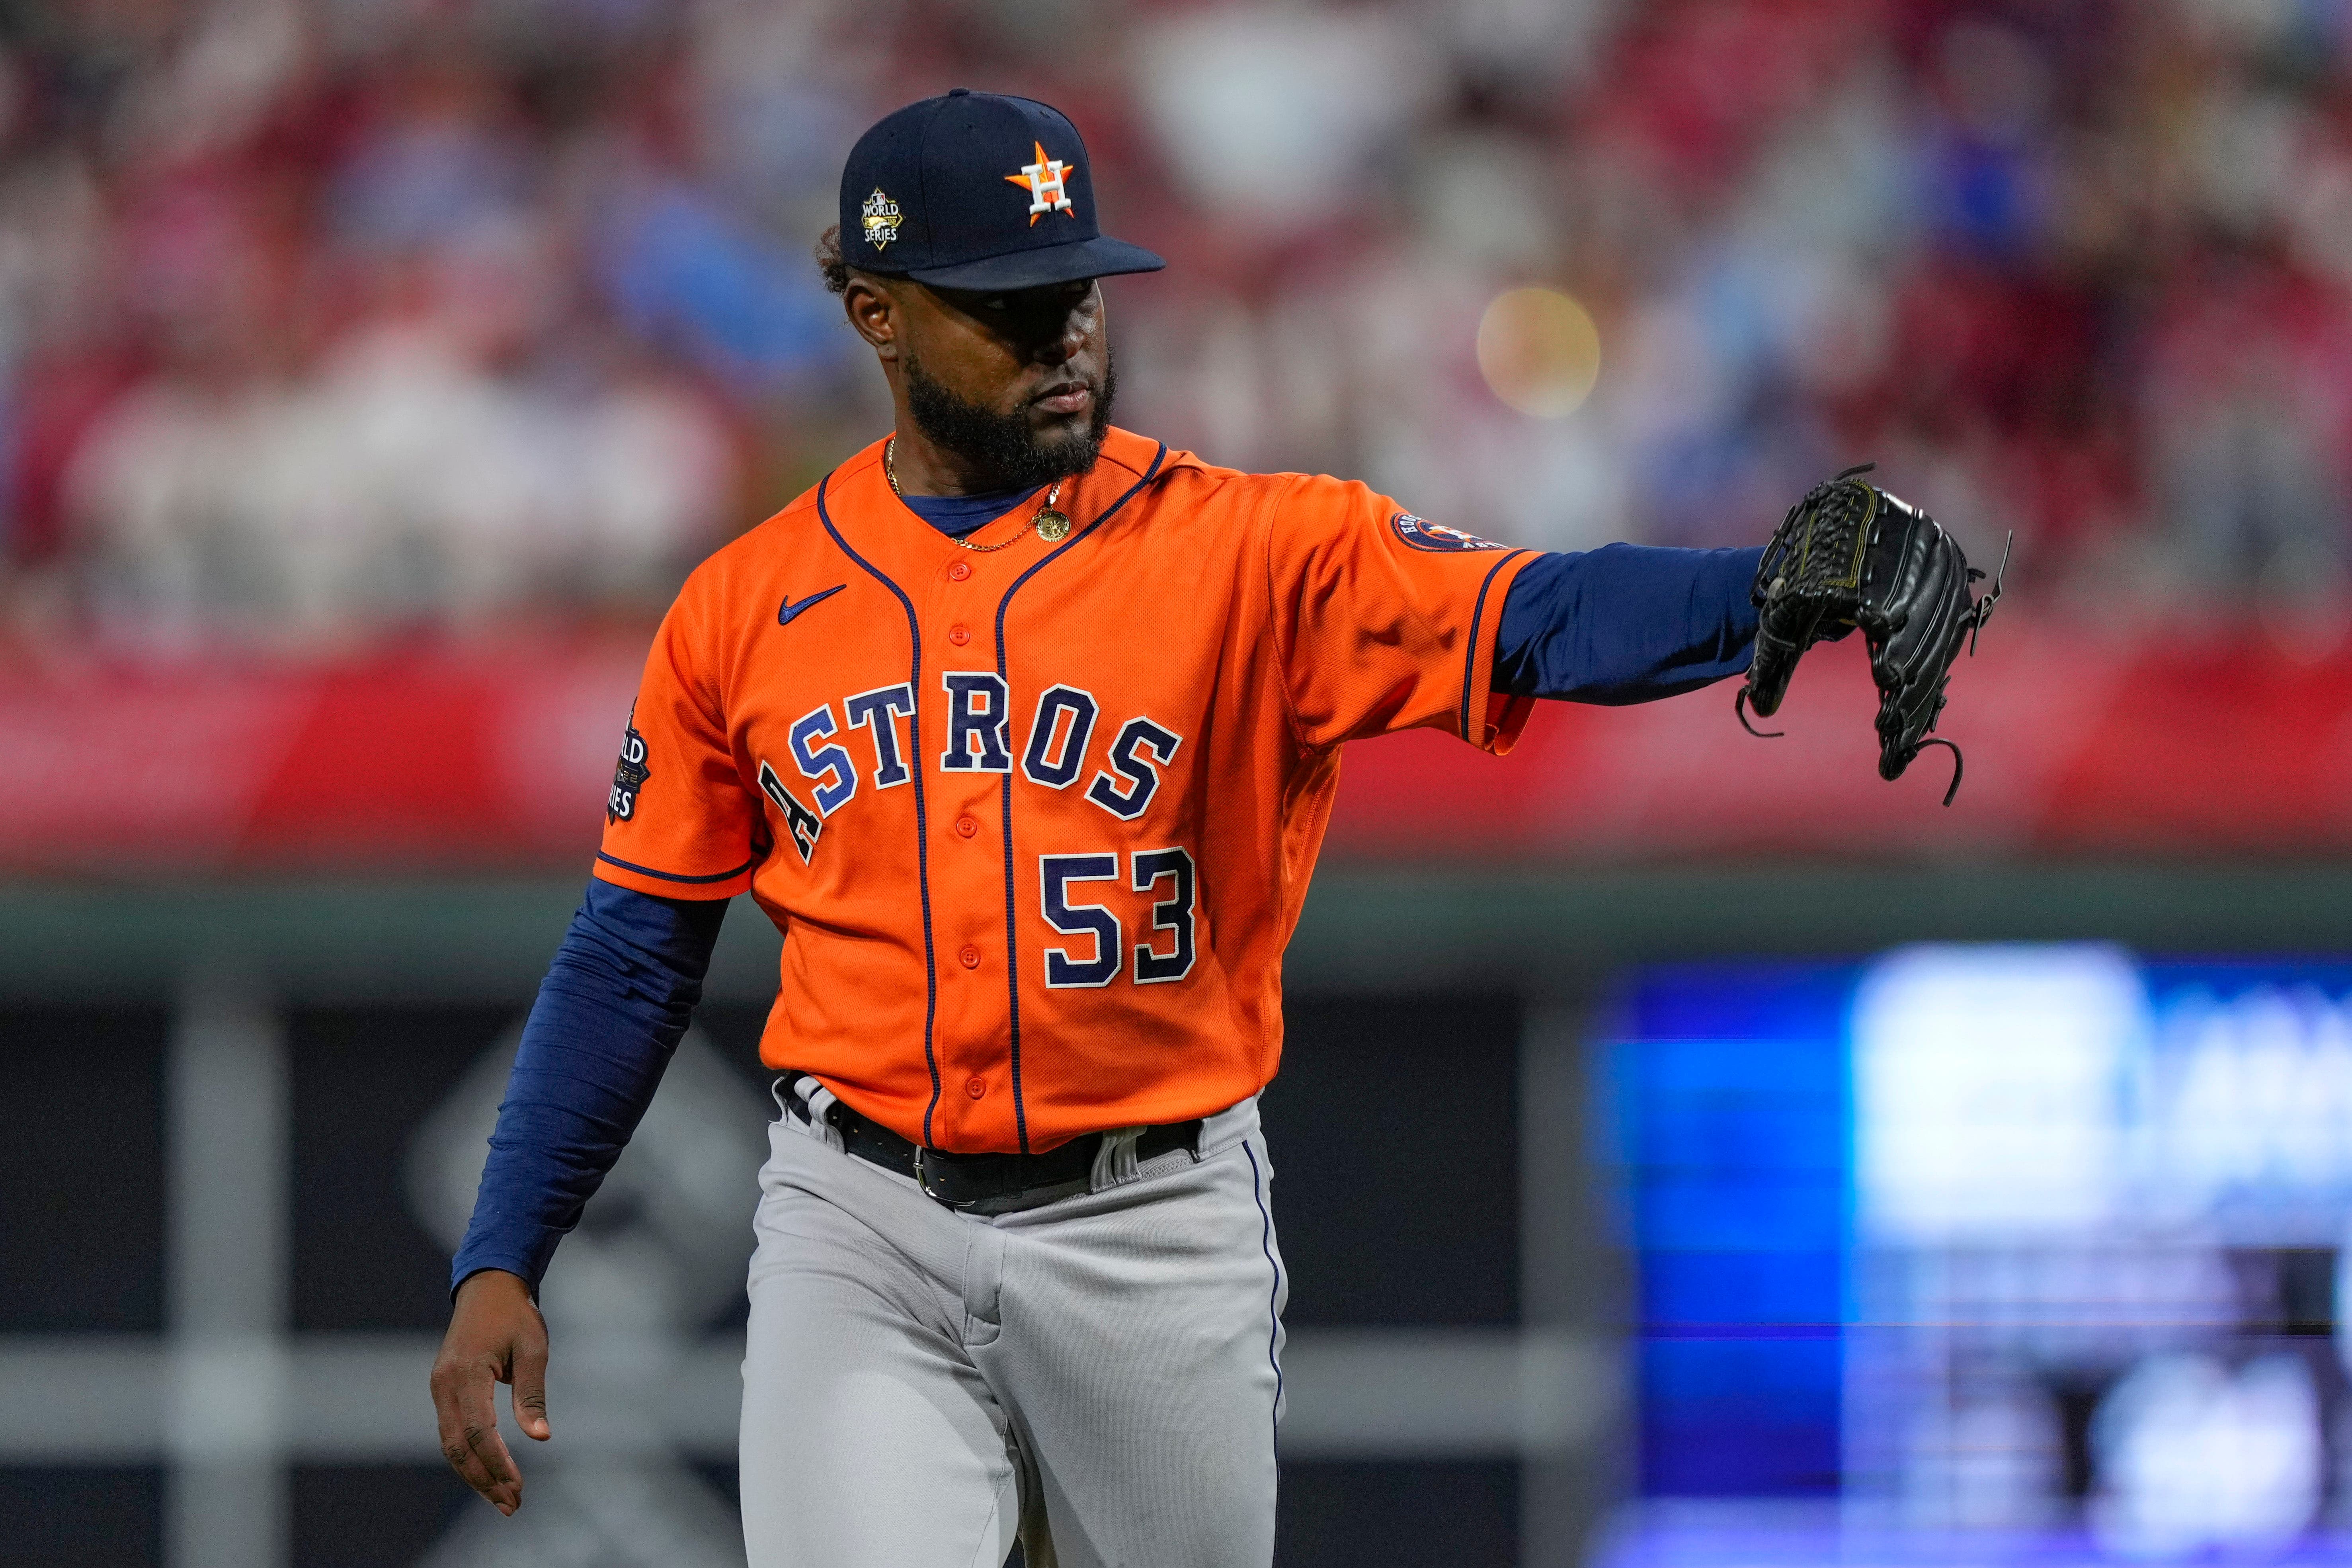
966 825
976 1086
959 636
959 570
971 956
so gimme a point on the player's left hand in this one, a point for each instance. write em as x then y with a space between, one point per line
496 1335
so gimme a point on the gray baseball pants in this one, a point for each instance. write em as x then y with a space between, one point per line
1099 1376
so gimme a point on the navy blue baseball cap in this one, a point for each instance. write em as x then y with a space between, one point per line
975 190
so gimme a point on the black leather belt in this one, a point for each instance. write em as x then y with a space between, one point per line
983 1184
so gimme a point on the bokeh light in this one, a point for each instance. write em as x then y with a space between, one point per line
1540 352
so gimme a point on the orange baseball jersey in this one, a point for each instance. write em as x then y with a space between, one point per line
1036 822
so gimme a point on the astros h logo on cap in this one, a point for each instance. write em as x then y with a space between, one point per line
923 197
1042 181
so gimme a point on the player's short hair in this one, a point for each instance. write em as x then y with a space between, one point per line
829 261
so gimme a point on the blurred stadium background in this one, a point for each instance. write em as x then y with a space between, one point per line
1693 1150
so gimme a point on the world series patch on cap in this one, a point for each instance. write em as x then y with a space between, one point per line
977 190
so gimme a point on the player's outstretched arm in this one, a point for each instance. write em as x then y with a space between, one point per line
496 1335
1626 623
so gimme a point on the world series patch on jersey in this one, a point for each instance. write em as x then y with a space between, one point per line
629 774
1038 821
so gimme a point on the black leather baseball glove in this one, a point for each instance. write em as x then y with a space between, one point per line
1848 555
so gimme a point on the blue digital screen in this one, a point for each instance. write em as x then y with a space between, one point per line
2001 1253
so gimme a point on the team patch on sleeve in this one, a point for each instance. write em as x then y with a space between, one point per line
1424 535
629 775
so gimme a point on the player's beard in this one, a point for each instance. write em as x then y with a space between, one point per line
1000 447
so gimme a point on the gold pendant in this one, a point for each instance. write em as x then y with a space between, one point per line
1051 525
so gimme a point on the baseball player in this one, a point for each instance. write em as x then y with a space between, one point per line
1024 730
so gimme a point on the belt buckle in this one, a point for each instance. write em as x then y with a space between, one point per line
985 1206
923 1180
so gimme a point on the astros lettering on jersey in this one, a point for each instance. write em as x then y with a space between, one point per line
1037 821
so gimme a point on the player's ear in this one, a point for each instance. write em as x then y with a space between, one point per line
874 311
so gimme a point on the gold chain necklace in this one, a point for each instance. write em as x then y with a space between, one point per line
1050 524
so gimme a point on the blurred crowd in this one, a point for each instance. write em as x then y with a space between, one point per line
326 320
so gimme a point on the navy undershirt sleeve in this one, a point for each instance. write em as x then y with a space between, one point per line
612 1009
1626 623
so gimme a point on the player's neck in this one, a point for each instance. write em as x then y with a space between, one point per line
924 469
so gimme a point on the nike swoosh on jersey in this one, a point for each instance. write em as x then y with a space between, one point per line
787 610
